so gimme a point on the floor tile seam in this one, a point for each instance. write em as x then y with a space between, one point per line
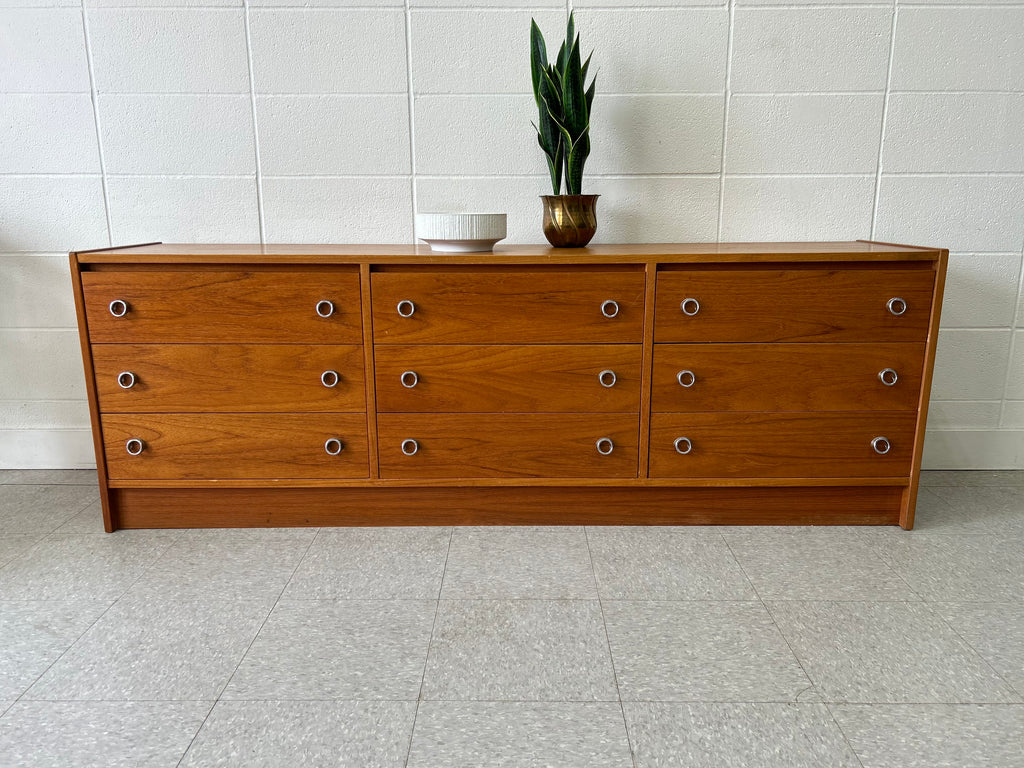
245 653
846 738
72 516
981 657
608 645
430 641
595 702
298 564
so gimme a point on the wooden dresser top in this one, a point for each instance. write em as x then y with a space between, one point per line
632 253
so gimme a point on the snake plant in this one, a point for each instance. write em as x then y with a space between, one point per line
563 127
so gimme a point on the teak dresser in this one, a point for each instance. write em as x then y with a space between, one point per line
247 385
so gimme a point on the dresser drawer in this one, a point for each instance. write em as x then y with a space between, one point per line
542 378
508 307
507 445
235 446
171 378
793 305
223 306
780 444
787 377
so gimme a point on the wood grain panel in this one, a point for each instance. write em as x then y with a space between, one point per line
222 306
507 445
172 378
508 307
786 377
491 378
781 444
748 305
232 507
233 446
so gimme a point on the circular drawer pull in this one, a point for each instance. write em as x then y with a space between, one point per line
135 446
410 379
881 445
334 446
690 307
119 308
126 379
683 445
409 447
686 378
406 308
610 308
607 378
325 308
888 376
896 305
605 446
330 379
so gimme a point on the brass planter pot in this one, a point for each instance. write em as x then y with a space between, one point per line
570 221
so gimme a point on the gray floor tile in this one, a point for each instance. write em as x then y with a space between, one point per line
310 734
970 510
39 509
972 477
33 635
82 567
89 520
351 649
654 564
701 651
248 563
372 564
145 649
12 547
136 734
958 568
49 477
934 736
995 631
519 562
886 653
519 650
727 735
490 734
817 567
5 705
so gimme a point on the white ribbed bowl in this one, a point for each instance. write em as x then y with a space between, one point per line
461 232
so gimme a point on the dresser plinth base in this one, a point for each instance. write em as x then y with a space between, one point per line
508 505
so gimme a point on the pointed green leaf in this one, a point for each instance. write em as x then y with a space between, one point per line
574 102
538 58
586 66
560 61
590 96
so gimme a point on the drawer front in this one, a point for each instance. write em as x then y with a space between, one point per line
780 444
542 378
190 446
505 445
229 306
172 378
787 377
792 305
508 307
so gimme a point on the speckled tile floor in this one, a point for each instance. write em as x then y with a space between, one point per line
437 647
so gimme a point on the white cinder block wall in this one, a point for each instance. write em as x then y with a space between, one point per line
334 120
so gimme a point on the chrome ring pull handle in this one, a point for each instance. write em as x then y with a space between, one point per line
410 446
686 378
610 308
330 379
334 446
888 376
605 446
126 379
896 305
410 379
689 306
682 445
119 307
406 308
881 445
325 308
135 446
607 378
